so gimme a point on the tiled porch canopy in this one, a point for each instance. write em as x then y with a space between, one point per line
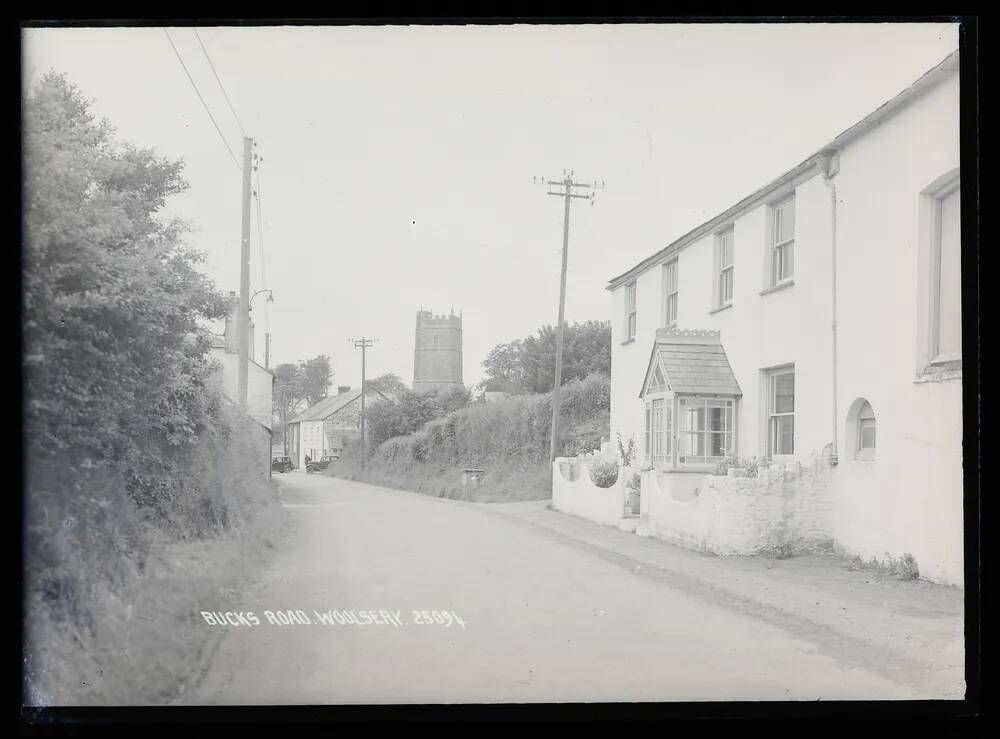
689 362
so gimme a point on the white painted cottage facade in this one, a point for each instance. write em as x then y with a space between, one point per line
863 235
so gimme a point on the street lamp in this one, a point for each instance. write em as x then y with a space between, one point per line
270 297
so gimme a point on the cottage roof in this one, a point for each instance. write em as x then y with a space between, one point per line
928 81
692 362
328 406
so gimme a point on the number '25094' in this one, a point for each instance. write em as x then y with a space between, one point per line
443 618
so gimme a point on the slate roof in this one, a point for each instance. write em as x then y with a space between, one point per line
327 407
694 362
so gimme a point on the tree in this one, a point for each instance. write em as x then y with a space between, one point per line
529 365
411 411
503 367
316 375
115 361
390 384
288 394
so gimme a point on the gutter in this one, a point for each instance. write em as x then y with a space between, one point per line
829 167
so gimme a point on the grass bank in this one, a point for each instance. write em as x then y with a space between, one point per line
113 596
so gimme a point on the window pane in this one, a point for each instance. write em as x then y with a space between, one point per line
716 418
782 434
695 419
867 435
783 393
726 290
950 286
784 221
717 445
631 325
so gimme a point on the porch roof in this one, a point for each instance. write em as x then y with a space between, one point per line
693 362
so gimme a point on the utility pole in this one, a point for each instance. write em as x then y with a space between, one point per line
567 184
243 318
363 344
267 351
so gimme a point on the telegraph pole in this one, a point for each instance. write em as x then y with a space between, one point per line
363 343
243 318
267 351
567 184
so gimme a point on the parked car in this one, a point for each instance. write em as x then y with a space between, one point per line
281 464
321 464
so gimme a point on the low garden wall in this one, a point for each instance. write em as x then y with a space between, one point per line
785 510
574 492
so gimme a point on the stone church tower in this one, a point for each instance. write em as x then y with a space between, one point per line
437 352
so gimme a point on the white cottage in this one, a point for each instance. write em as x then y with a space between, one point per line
820 317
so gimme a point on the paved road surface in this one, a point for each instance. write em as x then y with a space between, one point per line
544 620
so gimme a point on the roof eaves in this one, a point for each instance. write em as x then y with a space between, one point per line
929 79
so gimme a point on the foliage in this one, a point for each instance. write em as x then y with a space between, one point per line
626 451
390 384
509 438
287 395
129 446
113 357
604 474
411 411
528 365
747 468
316 375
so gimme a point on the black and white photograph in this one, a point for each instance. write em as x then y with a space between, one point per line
462 364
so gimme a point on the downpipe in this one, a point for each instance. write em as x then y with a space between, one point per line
830 166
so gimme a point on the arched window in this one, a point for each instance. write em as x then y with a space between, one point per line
865 446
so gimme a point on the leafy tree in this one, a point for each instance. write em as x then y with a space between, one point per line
115 362
288 395
529 365
316 375
390 384
504 368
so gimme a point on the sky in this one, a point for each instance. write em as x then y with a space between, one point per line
396 162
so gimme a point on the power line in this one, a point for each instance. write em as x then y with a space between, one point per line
221 86
204 104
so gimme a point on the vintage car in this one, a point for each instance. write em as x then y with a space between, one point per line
321 464
281 464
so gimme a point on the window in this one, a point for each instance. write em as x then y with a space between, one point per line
724 246
782 241
630 311
946 288
706 432
670 294
781 412
661 430
865 448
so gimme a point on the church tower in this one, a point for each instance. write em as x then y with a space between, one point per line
437 352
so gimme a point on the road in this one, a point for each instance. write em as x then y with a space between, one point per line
542 619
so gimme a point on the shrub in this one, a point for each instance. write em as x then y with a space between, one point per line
604 474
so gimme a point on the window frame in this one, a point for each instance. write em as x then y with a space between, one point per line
631 312
772 425
671 292
729 405
936 358
775 246
725 237
861 452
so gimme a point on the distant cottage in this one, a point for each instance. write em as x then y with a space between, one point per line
325 426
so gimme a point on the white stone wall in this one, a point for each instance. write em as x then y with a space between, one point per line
786 510
573 492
